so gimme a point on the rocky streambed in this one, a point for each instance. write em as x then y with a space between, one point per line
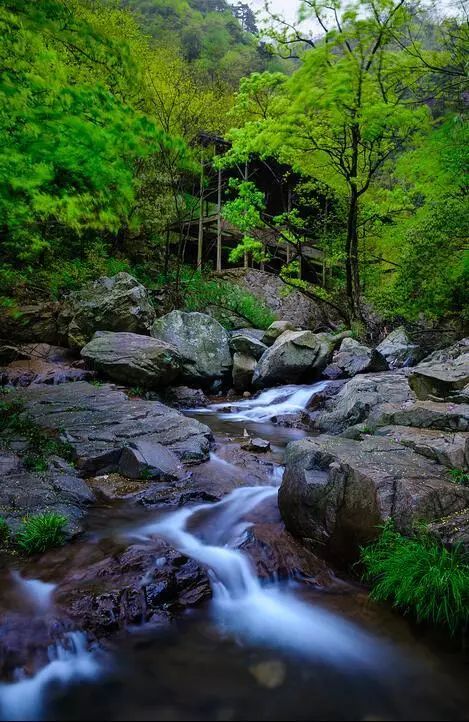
209 571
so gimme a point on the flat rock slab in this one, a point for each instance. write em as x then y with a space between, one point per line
337 491
59 490
441 381
100 422
422 415
446 447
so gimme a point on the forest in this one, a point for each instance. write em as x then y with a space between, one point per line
234 359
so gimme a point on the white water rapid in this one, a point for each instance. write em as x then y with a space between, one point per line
69 661
241 605
280 401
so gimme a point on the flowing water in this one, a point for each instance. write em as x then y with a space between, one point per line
260 649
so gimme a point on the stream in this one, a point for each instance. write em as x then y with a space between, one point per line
270 648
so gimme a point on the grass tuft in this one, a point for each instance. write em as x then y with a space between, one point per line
42 532
420 576
4 531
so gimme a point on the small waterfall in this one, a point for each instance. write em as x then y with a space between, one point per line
69 661
280 401
241 605
36 593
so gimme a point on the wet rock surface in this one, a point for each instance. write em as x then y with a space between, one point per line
398 349
99 422
202 343
131 358
337 491
353 358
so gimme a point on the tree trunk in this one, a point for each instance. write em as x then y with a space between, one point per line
352 264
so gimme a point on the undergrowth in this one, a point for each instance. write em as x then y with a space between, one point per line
419 576
42 532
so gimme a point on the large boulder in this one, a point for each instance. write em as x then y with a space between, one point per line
275 330
448 448
336 491
133 359
201 341
36 322
58 489
100 422
248 344
119 303
446 380
243 371
295 357
398 350
286 302
359 397
422 415
354 358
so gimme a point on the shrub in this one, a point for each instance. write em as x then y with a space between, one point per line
460 477
42 532
420 576
4 531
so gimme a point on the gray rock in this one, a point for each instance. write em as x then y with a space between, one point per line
452 530
362 394
398 349
353 358
183 397
99 423
133 359
422 415
248 345
295 357
243 371
35 322
59 490
275 330
257 445
119 303
447 354
446 447
148 459
444 380
202 343
35 371
337 491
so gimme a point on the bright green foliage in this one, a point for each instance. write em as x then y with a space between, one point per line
419 576
72 141
42 532
15 422
460 477
4 532
226 301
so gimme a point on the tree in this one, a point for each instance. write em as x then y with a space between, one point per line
346 111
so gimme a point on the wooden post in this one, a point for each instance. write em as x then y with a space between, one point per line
219 221
200 244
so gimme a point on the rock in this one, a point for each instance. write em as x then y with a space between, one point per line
183 397
257 445
295 357
452 530
353 358
133 359
38 322
275 330
422 415
243 371
147 459
337 491
444 380
447 448
130 587
99 423
202 343
119 303
332 372
34 371
247 344
285 302
450 353
59 490
359 397
398 349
